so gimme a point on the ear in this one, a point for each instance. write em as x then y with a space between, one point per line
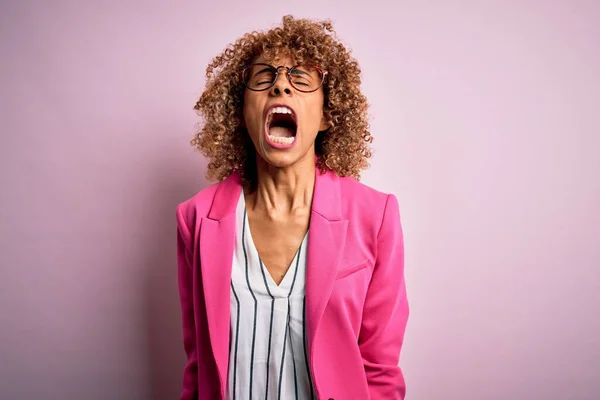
325 123
242 119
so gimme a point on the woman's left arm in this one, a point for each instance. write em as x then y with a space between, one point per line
386 311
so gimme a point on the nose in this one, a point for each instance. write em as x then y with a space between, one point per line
281 85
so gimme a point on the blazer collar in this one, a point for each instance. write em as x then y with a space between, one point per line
226 197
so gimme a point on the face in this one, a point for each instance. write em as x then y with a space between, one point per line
282 121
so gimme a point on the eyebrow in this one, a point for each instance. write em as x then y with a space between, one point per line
299 71
270 68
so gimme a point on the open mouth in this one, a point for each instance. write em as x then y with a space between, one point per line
281 125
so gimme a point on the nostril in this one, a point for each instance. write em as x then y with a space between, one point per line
287 91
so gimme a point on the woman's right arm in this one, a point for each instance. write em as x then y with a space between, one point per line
184 267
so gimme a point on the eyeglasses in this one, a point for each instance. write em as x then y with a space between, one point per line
304 78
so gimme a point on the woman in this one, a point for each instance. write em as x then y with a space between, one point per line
291 272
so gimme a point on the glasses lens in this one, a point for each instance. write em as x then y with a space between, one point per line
259 76
303 78
306 78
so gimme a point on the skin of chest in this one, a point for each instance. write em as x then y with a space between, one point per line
277 238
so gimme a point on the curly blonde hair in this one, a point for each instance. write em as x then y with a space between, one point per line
343 147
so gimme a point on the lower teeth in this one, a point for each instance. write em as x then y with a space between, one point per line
281 140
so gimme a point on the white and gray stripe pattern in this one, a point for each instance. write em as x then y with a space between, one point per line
267 354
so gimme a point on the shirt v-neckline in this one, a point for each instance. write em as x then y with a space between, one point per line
284 289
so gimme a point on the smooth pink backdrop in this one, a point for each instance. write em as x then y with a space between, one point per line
486 111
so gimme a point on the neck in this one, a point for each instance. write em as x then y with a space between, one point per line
283 190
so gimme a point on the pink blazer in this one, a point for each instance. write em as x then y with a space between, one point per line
356 303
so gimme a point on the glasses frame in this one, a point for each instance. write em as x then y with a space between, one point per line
287 74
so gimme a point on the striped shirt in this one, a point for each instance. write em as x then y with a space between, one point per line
267 354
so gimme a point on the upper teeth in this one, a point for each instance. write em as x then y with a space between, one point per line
280 110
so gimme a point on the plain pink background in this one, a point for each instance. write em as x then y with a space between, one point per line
485 116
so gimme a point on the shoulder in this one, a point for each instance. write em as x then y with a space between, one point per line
201 200
363 195
194 208
366 204
200 204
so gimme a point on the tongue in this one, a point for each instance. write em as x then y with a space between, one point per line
281 131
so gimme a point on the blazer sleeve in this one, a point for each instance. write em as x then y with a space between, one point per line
184 268
386 311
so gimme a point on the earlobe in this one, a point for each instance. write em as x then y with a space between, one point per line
325 124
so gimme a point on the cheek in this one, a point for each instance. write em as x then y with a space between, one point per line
252 114
316 113
246 110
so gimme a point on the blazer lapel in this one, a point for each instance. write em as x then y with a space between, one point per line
217 240
326 240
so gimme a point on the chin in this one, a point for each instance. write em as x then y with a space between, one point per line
280 160
287 159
